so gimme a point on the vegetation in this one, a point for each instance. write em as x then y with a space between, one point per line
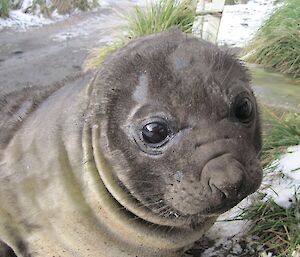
45 8
68 5
97 55
162 15
277 43
231 2
276 228
4 8
281 131
157 17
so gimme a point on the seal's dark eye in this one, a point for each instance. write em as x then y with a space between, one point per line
244 109
155 132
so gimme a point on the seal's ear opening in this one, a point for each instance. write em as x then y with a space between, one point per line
6 251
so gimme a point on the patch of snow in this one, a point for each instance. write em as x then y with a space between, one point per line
283 179
227 225
280 184
26 4
240 22
289 164
21 21
266 254
228 233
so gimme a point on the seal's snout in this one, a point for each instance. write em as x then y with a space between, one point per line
217 180
224 174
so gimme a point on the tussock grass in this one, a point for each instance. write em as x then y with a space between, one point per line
4 8
277 43
231 2
62 6
161 16
65 6
281 131
156 17
42 6
276 228
97 55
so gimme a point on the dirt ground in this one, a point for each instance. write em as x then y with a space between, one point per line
53 53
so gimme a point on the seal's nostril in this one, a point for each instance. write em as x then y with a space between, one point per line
223 192
227 191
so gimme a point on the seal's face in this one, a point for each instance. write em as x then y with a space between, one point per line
181 125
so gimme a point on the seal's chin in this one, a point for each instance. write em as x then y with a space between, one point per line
215 203
174 217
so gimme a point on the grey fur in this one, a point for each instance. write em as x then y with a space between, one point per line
122 196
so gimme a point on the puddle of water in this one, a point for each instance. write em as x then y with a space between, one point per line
275 89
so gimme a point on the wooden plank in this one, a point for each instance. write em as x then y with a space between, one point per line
207 23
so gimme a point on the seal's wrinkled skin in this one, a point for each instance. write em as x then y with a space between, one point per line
138 163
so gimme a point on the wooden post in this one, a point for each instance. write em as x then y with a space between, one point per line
207 23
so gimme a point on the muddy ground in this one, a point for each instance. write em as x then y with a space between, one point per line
54 53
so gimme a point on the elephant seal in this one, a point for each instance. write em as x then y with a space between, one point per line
140 162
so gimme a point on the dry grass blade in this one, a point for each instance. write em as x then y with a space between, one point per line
281 132
277 228
156 17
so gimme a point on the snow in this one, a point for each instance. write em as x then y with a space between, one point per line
280 183
290 163
21 21
239 22
283 178
228 233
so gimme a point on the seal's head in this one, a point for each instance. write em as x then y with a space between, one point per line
180 126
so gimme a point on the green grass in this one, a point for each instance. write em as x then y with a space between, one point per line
280 132
276 228
156 17
62 6
230 2
162 15
277 43
4 8
66 6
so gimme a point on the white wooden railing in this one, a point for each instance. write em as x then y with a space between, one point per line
209 15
